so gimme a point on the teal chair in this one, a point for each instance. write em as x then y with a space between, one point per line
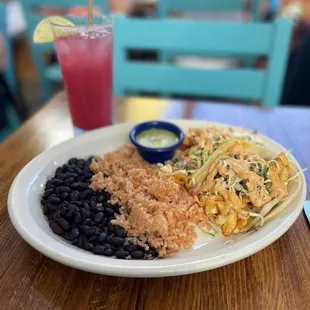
166 7
246 84
48 73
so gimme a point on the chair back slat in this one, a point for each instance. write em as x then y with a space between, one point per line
234 38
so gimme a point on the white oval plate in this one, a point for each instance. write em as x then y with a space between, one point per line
208 252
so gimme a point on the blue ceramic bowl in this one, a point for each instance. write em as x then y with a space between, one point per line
156 155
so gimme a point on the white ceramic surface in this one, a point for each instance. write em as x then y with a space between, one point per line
208 252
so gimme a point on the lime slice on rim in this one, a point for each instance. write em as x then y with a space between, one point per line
44 32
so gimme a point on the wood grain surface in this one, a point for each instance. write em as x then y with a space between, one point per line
277 277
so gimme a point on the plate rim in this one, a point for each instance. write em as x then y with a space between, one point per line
156 270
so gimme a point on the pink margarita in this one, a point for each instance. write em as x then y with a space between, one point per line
85 58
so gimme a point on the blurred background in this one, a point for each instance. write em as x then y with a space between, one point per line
21 81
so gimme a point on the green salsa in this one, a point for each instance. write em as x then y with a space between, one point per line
157 138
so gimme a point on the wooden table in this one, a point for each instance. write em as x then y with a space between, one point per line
278 277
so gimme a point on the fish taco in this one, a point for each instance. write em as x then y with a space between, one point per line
241 186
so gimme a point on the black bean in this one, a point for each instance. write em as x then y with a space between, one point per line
70 210
84 214
54 200
119 231
88 246
94 199
110 226
46 211
49 186
92 238
63 223
131 248
74 233
50 217
77 218
62 189
86 171
86 206
116 208
99 249
56 216
57 229
81 178
80 242
98 217
52 207
62 210
78 170
64 195
70 181
58 170
105 230
87 221
75 242
104 223
107 246
85 193
118 241
107 205
75 185
81 162
67 183
73 205
152 252
137 254
100 198
61 176
73 196
98 209
121 254
111 218
72 161
89 231
72 175
65 167
102 237
77 203
107 196
108 252
83 185
109 211
67 236
71 170
56 182
110 238
92 205
47 193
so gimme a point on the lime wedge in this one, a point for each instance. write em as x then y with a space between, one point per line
44 32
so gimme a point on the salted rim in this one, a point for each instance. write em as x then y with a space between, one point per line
86 27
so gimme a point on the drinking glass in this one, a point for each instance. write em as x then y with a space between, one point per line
85 54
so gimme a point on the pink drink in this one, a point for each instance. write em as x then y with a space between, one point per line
86 64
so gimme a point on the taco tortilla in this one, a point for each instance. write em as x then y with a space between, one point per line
241 187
